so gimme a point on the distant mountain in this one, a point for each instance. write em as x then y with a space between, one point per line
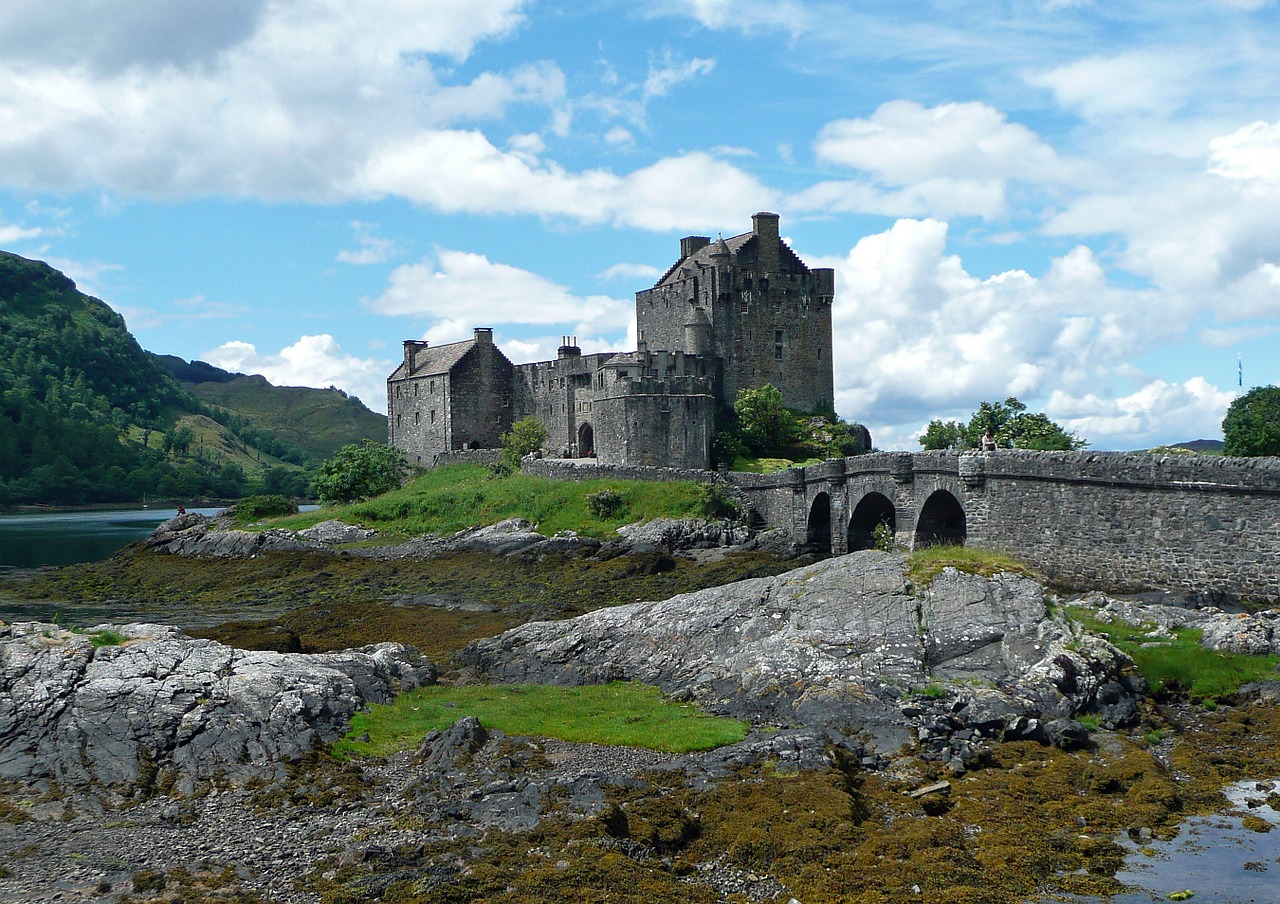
87 416
317 421
1203 446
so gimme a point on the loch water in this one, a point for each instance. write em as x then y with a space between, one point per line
32 540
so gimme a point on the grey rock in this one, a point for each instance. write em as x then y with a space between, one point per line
675 535
162 702
834 644
334 531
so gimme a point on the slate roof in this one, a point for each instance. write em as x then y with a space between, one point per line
701 258
438 359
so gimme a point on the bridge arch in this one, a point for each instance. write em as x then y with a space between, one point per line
941 522
818 527
872 510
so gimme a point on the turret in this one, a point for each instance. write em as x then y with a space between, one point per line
697 332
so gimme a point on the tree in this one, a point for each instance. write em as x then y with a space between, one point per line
1009 423
764 422
359 471
944 435
526 435
1252 424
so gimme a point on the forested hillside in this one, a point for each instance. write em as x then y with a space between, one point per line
86 415
282 418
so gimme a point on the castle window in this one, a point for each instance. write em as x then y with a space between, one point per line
764 284
777 336
417 417
433 385
397 390
433 415
777 352
415 388
746 282
397 421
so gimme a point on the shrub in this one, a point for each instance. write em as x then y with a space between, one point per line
718 502
526 435
360 471
269 506
605 503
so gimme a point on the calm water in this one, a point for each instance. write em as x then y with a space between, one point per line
65 538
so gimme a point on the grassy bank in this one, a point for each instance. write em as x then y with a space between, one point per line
451 498
927 563
632 715
1179 665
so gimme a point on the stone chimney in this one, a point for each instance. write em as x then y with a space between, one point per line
411 349
483 335
764 226
568 348
690 244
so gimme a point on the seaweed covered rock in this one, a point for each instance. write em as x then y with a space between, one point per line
844 643
149 703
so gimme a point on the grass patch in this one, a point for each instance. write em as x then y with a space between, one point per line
631 715
1181 665
103 638
451 498
927 563
765 465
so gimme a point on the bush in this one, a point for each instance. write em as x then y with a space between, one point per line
1252 424
605 504
718 502
526 435
266 506
360 471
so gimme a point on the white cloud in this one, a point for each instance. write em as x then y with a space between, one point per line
629 272
953 159
790 16
1249 153
371 250
9 234
619 136
1137 81
668 71
944 340
316 361
464 290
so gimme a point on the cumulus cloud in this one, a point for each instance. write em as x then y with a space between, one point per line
316 361
905 303
790 16
1249 153
463 290
631 272
948 160
10 233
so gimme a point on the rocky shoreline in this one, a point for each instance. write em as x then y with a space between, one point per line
135 760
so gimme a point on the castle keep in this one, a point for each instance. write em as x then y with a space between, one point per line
728 315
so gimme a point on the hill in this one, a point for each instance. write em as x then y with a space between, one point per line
316 421
86 415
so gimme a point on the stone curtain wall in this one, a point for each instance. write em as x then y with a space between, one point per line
1209 526
1122 522
585 469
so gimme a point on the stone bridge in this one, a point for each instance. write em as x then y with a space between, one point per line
1121 522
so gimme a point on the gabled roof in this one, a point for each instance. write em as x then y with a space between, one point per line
439 359
703 256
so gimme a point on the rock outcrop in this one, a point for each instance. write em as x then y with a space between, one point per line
162 706
1256 633
843 643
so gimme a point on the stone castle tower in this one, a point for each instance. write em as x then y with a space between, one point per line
731 314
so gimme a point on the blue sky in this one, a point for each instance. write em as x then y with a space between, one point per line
1074 202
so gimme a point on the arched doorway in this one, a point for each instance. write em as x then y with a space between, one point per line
941 521
586 441
818 532
873 510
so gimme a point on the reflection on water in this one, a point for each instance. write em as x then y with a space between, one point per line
65 538
1215 858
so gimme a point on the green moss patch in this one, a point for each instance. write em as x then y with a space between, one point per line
927 563
1180 664
630 715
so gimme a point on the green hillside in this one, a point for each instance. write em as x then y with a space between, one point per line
87 416
317 421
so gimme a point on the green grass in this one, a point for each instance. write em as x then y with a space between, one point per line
1181 664
928 562
765 465
451 498
631 715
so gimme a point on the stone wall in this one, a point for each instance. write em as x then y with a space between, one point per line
583 469
480 398
1121 522
465 457
643 423
418 416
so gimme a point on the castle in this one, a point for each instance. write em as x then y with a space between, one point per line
728 315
